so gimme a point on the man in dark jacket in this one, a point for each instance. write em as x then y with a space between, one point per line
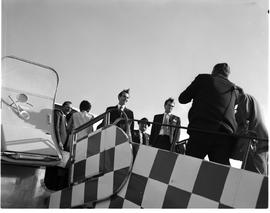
214 99
140 136
56 178
163 133
60 124
117 112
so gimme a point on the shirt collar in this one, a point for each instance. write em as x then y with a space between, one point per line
119 106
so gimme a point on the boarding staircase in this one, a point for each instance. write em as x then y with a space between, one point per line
107 170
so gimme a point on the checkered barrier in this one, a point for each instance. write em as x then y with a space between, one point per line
162 179
102 165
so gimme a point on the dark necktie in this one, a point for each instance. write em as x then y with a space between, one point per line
143 138
121 109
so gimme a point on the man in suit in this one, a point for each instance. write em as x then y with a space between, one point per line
163 136
60 123
56 178
140 136
118 112
214 99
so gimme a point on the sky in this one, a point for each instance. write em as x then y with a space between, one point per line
154 47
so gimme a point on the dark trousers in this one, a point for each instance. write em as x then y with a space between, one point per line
163 142
217 147
56 178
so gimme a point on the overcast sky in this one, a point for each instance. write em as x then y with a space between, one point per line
154 47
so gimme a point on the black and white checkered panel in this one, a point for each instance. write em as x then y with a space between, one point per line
108 152
162 179
90 152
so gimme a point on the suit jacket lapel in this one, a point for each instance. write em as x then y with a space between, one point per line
160 120
146 136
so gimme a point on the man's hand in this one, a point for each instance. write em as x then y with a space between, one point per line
61 146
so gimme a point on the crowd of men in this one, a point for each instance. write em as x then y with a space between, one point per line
220 109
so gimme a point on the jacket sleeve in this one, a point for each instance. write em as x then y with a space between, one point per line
132 123
60 128
153 132
178 130
70 125
57 126
187 95
103 122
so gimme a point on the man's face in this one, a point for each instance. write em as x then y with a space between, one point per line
67 108
169 107
123 99
143 126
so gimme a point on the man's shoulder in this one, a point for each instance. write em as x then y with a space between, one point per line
222 81
75 114
175 116
204 76
58 112
175 119
111 108
203 79
128 110
158 115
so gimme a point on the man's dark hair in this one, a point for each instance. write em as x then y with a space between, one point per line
144 120
85 106
169 100
66 103
123 91
222 69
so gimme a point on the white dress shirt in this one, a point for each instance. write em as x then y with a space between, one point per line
165 130
121 107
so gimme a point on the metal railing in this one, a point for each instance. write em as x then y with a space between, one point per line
251 137
106 121
207 131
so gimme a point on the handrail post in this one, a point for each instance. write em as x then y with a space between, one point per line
128 126
72 155
126 119
107 119
74 137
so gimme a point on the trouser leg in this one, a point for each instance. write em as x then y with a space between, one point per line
198 145
163 142
221 149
